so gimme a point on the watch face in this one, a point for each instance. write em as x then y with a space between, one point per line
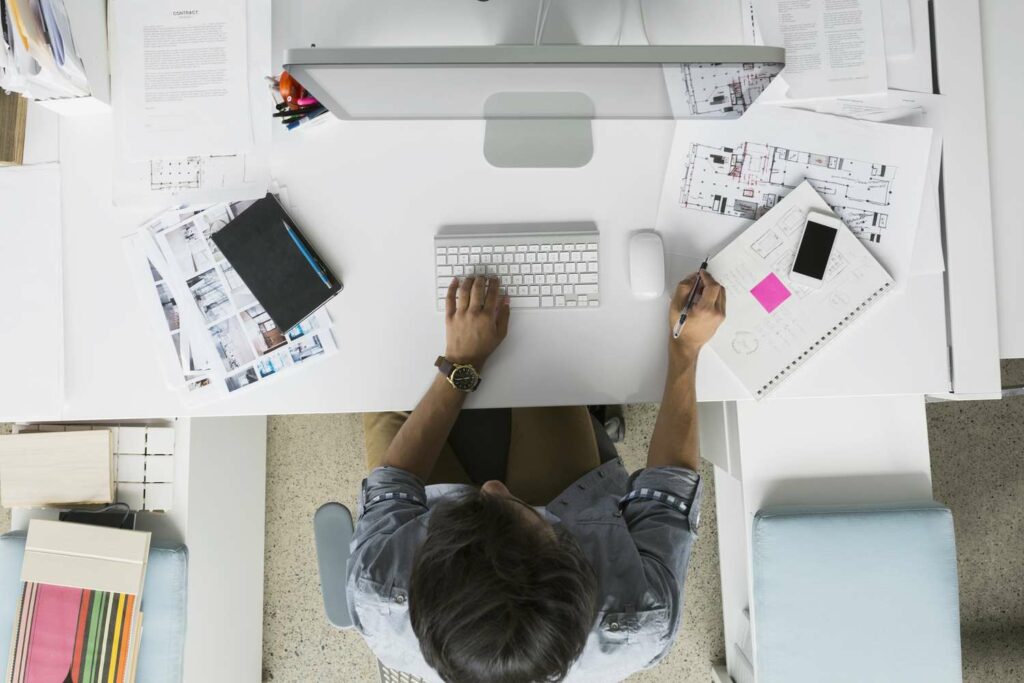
464 379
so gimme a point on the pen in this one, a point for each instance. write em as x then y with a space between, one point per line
689 301
305 119
296 112
309 257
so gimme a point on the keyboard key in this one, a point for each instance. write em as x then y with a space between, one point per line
453 251
514 268
441 251
521 248
559 300
545 290
592 267
536 269
463 259
524 302
546 301
564 257
527 279
570 267
499 249
444 270
590 256
573 278
534 290
560 267
577 256
458 271
581 300
561 278
548 268
556 289
534 247
475 258
520 258
556 247
487 250
508 258
503 270
592 246
586 289
570 302
545 247
463 250
594 303
474 250
588 278
550 279
531 257
542 257
517 279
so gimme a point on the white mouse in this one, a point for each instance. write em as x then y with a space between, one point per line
646 265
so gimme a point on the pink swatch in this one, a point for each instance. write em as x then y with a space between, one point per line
770 292
52 640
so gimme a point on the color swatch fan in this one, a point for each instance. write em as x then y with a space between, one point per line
79 618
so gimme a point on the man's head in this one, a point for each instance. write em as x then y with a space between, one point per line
498 595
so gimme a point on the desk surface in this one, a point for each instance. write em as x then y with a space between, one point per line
371 195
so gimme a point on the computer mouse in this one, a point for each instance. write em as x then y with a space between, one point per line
646 265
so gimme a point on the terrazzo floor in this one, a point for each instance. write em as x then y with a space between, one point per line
978 471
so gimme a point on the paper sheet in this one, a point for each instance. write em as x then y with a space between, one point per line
775 324
32 315
909 109
833 47
723 176
716 90
180 78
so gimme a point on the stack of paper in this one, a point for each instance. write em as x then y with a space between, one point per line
79 617
38 57
56 468
214 336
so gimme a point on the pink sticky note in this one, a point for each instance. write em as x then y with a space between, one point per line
770 292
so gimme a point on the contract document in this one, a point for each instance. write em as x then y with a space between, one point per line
179 72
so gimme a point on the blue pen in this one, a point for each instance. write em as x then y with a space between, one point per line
307 255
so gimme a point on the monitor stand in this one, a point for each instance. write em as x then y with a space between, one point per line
554 133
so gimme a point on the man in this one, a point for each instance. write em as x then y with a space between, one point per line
477 585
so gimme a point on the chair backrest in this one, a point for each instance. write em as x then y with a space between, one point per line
332 529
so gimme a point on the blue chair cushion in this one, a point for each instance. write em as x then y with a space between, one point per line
162 650
854 595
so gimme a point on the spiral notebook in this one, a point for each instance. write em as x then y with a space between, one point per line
773 325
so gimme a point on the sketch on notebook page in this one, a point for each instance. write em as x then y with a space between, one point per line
748 179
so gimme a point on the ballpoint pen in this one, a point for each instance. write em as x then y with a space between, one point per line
689 301
309 257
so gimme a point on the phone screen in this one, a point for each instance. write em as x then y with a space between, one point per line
815 248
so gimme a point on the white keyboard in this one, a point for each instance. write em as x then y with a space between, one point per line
539 266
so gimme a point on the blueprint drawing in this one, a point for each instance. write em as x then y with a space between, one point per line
748 179
716 90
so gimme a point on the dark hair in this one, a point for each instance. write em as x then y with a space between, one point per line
494 601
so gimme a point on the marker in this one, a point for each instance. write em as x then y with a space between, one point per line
689 301
309 257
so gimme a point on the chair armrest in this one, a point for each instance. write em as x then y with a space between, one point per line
332 529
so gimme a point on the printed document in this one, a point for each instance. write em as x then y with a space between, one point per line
180 77
833 47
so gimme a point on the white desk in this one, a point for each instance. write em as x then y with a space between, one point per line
371 195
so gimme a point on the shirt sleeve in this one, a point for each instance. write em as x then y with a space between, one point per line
662 509
390 498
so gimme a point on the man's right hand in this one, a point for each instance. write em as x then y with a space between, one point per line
476 320
706 314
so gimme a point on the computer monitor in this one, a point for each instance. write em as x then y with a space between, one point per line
538 100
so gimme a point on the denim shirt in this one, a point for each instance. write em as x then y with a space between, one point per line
637 531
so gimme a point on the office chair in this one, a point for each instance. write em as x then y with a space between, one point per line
481 439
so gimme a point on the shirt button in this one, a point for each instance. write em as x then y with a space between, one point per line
400 599
614 626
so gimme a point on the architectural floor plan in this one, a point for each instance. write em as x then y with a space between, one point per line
715 90
748 179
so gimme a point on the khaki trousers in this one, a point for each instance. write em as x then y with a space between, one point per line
549 449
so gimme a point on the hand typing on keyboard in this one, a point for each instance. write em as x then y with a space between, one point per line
535 271
476 320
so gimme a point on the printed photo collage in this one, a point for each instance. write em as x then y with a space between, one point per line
223 340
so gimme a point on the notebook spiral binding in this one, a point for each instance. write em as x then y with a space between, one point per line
810 350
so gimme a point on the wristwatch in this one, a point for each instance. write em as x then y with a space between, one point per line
462 377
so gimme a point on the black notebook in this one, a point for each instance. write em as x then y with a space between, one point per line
277 264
